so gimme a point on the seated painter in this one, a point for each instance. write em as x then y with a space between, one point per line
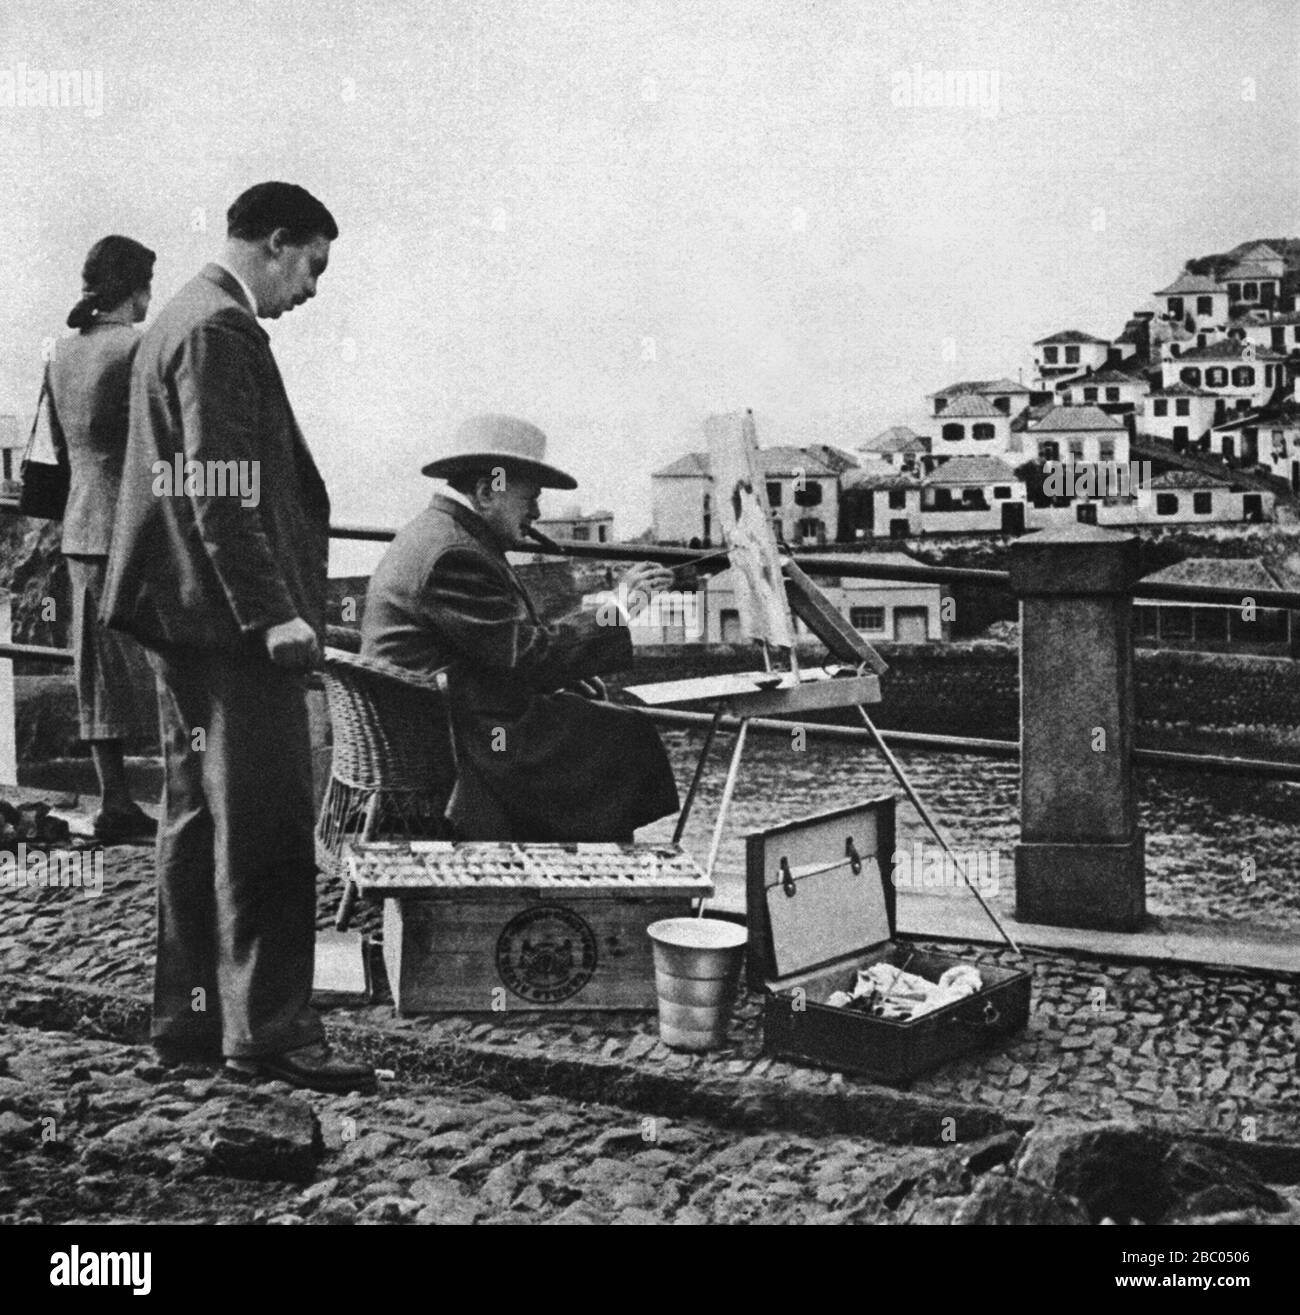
536 760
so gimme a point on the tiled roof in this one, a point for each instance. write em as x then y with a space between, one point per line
1002 386
1260 251
1066 418
962 386
972 470
1245 573
1072 336
970 407
1227 350
1188 479
898 438
1111 376
1247 270
1187 283
887 479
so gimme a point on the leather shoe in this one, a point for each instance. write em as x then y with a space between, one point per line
313 1067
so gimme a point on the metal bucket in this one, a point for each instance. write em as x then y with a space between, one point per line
697 966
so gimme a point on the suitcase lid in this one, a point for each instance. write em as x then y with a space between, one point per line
818 889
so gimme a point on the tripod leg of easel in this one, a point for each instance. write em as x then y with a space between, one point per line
695 780
897 768
733 771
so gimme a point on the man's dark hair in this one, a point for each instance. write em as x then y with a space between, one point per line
268 206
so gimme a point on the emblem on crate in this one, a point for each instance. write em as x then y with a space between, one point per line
546 954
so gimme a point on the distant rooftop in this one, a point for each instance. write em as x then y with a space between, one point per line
1228 349
1244 573
1072 336
1069 418
972 470
898 438
969 406
1186 284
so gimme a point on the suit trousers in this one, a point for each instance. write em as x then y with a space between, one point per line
235 856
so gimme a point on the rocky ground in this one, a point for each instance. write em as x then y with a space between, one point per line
95 1131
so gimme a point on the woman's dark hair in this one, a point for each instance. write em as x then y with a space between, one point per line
268 206
114 269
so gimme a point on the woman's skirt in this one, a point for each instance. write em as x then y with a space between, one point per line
115 685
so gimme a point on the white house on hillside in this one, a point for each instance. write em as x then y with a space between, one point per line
971 426
1069 352
1241 373
1198 298
1179 415
972 493
897 448
1077 434
1105 388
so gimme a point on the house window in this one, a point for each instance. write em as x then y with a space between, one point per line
1201 504
1191 376
1112 394
1159 406
1176 307
581 533
1243 376
1003 404
1076 449
1087 513
897 499
1106 451
983 432
1216 376
1166 504
1072 356
809 496
1066 398
1182 407
602 533
1234 291
1049 451
1089 394
940 405
867 618
1250 292
773 493
1002 490
1205 305
953 433
1180 434
1049 355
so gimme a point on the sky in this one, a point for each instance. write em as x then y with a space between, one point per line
615 219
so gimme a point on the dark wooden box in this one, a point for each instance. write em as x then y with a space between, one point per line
821 906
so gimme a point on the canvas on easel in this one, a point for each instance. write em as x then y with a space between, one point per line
740 493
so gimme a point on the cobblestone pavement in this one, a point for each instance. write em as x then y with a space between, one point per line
93 1131
1173 1046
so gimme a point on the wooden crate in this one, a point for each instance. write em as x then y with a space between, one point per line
485 926
814 921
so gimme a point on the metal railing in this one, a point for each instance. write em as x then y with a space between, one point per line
841 563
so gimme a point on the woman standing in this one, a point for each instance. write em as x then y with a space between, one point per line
89 386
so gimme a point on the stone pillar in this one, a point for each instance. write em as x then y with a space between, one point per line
1080 858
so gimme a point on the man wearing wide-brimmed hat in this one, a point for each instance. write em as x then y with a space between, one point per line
537 761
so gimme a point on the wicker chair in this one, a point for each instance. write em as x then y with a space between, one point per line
393 768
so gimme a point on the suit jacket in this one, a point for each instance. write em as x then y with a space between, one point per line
200 568
90 386
561 766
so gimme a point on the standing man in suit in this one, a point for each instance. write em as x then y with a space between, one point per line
218 566
540 755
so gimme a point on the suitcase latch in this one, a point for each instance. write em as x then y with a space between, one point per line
787 878
851 853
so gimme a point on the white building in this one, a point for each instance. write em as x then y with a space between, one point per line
802 486
887 503
1106 388
1196 301
1241 373
897 448
1187 496
1278 333
972 494
1069 352
970 426
575 527
1007 395
1269 438
1179 415
1077 434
